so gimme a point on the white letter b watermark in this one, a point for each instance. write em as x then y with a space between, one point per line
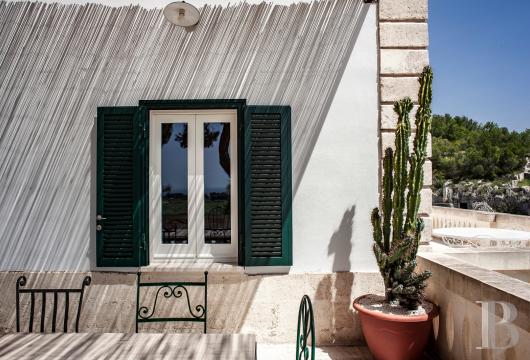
509 313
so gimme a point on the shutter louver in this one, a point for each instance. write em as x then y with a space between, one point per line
120 239
268 229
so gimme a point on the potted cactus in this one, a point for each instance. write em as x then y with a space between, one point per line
397 326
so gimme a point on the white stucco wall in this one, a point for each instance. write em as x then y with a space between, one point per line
332 206
48 101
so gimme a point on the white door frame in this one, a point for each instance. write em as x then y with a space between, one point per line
196 248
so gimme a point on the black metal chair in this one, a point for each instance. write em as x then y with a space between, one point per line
21 282
176 289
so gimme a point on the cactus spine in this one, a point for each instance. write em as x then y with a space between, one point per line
397 230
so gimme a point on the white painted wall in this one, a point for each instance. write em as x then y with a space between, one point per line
332 206
49 92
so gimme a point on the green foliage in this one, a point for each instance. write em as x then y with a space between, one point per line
398 229
525 182
464 149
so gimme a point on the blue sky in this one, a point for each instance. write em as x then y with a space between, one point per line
480 53
175 164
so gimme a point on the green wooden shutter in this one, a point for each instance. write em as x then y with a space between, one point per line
122 238
267 188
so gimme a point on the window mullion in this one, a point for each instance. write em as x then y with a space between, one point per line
199 185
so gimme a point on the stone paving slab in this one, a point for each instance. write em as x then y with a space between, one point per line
119 346
287 352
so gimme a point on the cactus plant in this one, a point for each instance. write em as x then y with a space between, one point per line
397 227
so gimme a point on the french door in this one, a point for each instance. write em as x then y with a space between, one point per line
193 184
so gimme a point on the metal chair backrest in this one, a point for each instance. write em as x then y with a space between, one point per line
172 289
21 282
305 331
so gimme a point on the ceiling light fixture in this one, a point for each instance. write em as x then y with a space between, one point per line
181 13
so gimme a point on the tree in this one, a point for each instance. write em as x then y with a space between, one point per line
464 149
210 137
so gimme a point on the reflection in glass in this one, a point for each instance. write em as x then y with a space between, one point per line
217 183
174 170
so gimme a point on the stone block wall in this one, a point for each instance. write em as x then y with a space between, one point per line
265 305
403 43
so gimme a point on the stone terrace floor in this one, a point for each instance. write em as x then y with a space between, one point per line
287 352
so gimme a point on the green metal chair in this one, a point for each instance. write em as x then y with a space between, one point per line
177 289
305 350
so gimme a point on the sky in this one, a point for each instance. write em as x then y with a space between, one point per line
175 164
480 54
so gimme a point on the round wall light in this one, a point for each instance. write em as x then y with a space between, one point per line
181 13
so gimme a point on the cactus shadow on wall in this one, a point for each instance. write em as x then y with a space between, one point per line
334 293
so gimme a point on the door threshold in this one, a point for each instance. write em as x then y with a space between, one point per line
192 265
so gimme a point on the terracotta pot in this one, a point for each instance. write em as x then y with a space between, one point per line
395 337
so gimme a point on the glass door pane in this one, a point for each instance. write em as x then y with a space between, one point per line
216 174
172 230
217 209
174 185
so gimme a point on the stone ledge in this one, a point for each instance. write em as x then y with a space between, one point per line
403 62
403 10
403 35
489 278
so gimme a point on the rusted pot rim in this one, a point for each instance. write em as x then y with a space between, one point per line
395 317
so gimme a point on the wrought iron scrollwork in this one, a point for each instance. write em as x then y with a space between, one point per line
21 281
305 334
175 290
171 291
458 242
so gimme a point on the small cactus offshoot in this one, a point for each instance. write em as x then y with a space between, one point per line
397 227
